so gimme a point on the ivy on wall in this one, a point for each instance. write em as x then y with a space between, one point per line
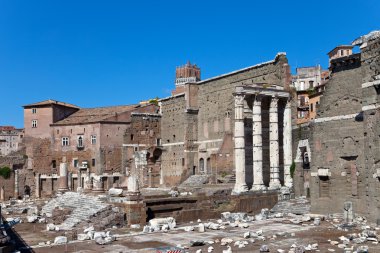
5 172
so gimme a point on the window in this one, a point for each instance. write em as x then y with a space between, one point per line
158 142
93 139
34 110
131 137
75 163
54 164
311 107
65 141
80 141
34 123
93 162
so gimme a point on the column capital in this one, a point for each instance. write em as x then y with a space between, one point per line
239 99
258 98
274 102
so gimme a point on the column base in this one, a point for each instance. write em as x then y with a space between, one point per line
258 187
239 189
274 185
63 189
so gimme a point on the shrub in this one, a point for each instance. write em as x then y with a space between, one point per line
5 172
292 169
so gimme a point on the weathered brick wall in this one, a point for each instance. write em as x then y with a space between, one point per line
371 98
173 137
337 142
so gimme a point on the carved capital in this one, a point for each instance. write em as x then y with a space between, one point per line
274 102
239 99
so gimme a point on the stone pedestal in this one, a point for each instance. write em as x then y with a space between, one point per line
240 185
274 145
348 212
257 146
287 145
63 179
98 185
135 209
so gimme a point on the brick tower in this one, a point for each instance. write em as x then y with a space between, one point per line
187 73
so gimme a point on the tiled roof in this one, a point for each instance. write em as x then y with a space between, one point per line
51 102
92 115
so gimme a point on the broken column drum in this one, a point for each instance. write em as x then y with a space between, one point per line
63 178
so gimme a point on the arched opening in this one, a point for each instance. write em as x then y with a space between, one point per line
201 166
208 165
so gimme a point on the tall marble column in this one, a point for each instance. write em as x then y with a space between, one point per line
287 146
240 185
63 178
274 145
257 145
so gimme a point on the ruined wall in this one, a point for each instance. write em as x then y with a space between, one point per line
143 134
371 97
337 162
301 145
173 137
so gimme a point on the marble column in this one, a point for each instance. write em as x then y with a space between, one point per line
79 175
2 194
38 185
63 178
274 154
257 145
70 181
16 184
240 185
287 146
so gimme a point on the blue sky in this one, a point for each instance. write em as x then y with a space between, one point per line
99 53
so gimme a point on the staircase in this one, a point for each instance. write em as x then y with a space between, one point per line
83 206
195 180
296 206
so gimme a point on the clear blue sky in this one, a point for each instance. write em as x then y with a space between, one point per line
99 53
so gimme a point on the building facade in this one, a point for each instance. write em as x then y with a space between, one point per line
10 139
309 83
87 142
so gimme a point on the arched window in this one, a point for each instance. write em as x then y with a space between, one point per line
80 141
